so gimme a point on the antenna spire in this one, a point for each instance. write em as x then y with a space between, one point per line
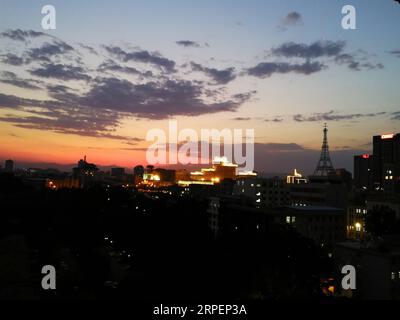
324 167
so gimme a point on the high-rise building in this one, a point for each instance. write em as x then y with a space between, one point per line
9 166
363 165
386 162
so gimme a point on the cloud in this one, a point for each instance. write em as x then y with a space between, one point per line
98 108
187 44
326 49
60 71
219 76
49 50
63 119
156 100
332 116
89 48
396 115
110 65
293 18
12 59
355 65
395 52
21 35
143 56
12 79
276 119
241 119
279 147
315 50
266 69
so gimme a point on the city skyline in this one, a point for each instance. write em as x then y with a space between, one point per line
97 83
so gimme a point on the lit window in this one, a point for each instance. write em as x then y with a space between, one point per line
288 219
393 276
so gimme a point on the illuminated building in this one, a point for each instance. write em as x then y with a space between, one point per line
295 178
9 166
85 169
246 174
85 172
63 183
355 222
386 162
159 177
363 165
221 169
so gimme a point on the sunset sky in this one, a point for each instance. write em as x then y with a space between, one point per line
112 70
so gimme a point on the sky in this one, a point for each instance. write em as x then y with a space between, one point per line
113 70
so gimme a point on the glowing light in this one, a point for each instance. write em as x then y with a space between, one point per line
247 173
387 136
365 156
197 173
220 160
188 183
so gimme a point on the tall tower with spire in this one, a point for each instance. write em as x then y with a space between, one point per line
324 167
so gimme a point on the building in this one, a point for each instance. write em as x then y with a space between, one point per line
62 183
220 170
363 171
296 178
325 225
386 162
320 191
263 193
355 222
9 166
85 168
229 216
85 172
377 267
